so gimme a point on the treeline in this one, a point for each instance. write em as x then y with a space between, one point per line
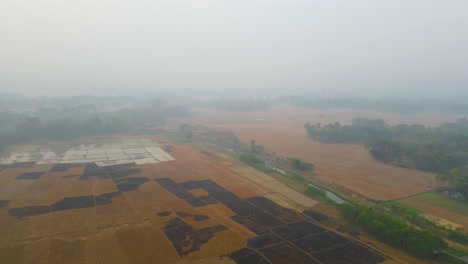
442 149
391 105
32 128
301 165
64 123
252 160
394 232
362 131
239 105
265 166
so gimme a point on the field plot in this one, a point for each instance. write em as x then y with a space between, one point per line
103 248
106 153
444 202
437 214
189 210
281 130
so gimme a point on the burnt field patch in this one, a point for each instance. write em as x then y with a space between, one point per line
117 174
286 215
283 235
63 167
93 171
196 217
130 184
174 188
106 198
71 176
21 212
4 203
17 165
252 226
208 199
208 185
263 203
246 255
265 219
297 230
286 253
3 167
224 197
242 207
30 175
118 167
320 242
316 216
195 201
187 239
263 241
69 203
349 253
164 214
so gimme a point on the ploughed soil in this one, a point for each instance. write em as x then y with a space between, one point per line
281 130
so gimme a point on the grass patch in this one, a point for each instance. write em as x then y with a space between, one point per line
444 202
319 194
401 208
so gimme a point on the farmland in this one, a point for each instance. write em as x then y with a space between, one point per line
282 132
437 213
444 202
116 200
340 166
191 208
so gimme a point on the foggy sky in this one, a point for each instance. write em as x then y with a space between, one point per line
332 47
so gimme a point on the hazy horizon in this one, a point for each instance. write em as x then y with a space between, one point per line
365 47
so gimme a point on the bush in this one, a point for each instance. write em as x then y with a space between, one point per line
458 237
301 165
394 232
251 159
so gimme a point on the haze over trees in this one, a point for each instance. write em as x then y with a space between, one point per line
442 149
401 104
68 118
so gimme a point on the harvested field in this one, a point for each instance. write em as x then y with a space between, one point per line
145 244
63 250
77 220
437 211
190 210
443 222
444 202
104 248
281 130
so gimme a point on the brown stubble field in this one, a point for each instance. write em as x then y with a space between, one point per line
442 213
128 230
158 220
281 131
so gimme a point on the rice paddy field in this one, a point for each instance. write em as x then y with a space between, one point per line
441 210
191 208
444 202
281 130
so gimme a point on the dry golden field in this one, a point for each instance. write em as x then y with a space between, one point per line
197 208
281 131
